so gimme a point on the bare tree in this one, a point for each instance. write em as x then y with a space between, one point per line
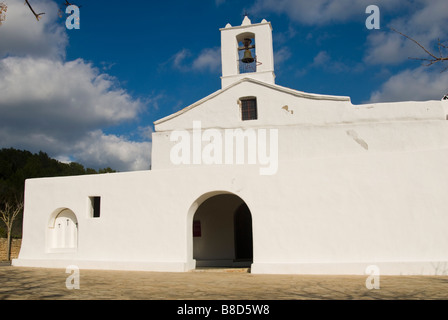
8 213
433 58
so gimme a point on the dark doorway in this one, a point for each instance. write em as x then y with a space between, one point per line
243 234
222 233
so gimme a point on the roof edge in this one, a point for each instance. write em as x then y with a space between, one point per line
245 26
268 85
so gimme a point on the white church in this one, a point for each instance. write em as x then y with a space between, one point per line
260 176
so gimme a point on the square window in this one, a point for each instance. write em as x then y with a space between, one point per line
95 208
249 109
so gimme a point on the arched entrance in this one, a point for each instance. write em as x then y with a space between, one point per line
222 232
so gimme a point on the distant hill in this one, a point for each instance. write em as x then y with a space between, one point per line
18 165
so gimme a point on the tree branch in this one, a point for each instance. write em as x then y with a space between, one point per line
37 15
434 59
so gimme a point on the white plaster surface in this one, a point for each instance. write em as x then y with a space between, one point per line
356 185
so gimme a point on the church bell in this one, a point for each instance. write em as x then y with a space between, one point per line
247 57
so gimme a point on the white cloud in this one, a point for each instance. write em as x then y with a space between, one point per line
55 107
420 84
323 60
387 48
62 107
281 56
322 12
208 60
71 91
426 23
178 60
99 150
145 133
21 34
281 38
423 20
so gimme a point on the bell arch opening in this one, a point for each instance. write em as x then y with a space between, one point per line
222 233
247 54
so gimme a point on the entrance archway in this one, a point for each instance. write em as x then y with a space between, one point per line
222 233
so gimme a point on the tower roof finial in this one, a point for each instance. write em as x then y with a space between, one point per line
246 20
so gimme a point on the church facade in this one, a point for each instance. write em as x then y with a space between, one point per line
262 176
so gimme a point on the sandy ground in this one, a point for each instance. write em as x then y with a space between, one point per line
42 284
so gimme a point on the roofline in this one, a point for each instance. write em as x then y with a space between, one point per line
293 92
245 26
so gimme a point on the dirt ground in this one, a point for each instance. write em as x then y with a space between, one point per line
50 284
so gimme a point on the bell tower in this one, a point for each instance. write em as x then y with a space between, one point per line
247 52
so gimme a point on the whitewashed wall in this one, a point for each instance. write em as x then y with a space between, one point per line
324 215
356 186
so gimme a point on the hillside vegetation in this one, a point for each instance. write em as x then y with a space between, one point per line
18 165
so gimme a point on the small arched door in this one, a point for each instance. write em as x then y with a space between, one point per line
63 231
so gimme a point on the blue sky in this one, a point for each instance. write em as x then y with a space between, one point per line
91 95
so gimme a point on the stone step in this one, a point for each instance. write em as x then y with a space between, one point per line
222 270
